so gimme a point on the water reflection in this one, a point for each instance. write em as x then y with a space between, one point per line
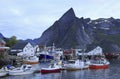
51 76
99 74
86 74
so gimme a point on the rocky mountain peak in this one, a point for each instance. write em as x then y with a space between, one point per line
68 16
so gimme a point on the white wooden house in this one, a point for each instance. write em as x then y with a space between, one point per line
22 48
96 51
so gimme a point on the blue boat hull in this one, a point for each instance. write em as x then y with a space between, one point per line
44 56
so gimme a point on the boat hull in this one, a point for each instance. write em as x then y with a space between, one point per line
3 73
43 56
20 73
43 71
98 66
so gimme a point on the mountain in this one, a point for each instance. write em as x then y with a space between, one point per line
33 42
73 32
67 32
1 35
106 33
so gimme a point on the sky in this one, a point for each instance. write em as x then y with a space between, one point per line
30 18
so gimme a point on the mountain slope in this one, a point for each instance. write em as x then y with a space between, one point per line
1 36
73 32
67 32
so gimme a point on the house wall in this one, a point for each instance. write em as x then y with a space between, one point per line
28 50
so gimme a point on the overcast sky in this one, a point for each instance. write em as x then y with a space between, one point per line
30 18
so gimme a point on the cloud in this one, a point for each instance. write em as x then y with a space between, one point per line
16 11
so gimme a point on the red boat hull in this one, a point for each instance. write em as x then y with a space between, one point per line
98 66
50 71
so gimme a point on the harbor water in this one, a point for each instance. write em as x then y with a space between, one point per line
113 72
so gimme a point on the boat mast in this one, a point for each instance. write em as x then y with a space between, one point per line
45 49
83 53
53 48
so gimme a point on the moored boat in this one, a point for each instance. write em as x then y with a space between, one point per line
3 72
75 65
53 68
24 69
50 70
99 64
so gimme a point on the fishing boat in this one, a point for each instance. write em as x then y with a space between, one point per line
75 65
44 55
24 69
31 60
100 63
3 72
53 68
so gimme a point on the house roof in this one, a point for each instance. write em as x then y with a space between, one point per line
20 45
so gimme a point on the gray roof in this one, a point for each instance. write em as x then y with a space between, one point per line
20 45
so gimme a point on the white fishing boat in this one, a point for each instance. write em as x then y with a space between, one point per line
75 65
24 69
3 72
98 59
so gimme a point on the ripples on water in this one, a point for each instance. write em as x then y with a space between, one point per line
113 72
